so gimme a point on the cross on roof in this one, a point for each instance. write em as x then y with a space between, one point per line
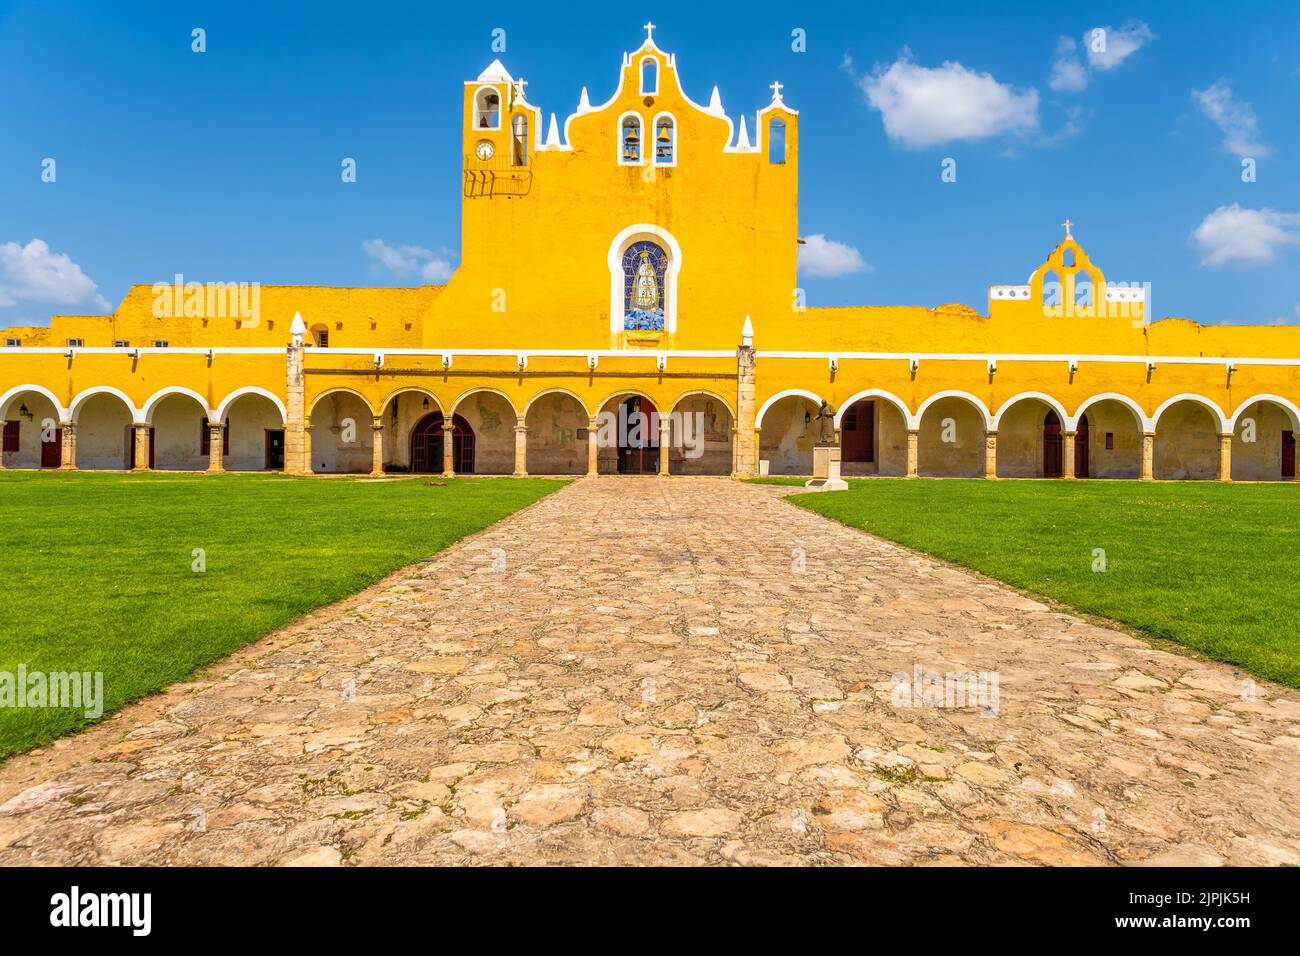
776 89
1067 224
649 29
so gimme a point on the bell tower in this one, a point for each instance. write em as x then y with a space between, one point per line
499 135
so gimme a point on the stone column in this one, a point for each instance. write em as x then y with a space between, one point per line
68 453
297 440
141 445
377 460
746 447
1225 456
216 449
593 447
521 447
1067 465
913 446
1148 456
448 449
665 443
990 454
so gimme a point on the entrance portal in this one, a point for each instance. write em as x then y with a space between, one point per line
638 437
1053 447
427 447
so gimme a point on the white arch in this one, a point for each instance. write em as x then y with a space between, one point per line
346 391
1067 423
75 408
654 139
1278 400
414 390
625 393
501 108
1224 425
224 408
618 140
704 391
625 238
954 393
495 391
557 391
17 390
151 404
1144 424
874 393
801 392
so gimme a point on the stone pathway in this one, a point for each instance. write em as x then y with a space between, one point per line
639 670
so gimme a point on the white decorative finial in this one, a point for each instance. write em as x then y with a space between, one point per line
553 133
715 102
743 142
584 104
519 88
1067 224
649 29
747 333
776 91
298 328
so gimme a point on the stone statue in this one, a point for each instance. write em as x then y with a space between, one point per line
826 417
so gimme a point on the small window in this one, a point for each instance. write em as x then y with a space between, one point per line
160 343
1067 257
321 337
665 141
13 343
1110 441
519 141
776 141
649 77
121 344
11 436
631 154
487 109
76 343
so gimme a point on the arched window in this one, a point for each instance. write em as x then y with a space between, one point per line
519 141
1067 257
487 109
649 77
665 142
645 286
776 141
630 151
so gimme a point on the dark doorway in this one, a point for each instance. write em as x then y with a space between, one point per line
426 445
1053 447
1081 449
275 449
52 451
130 451
638 447
1288 454
858 432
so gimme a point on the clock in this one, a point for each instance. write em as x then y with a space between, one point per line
484 150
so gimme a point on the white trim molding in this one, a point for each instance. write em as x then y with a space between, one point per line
620 244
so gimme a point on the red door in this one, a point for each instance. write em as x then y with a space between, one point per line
426 445
857 432
1288 454
52 451
638 449
1081 449
1053 447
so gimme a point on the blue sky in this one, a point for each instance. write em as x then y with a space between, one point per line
224 166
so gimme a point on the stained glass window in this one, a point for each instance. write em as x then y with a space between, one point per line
645 278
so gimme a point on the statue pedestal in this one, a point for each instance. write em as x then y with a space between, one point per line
826 470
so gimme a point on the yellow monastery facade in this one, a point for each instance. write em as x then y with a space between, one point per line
627 302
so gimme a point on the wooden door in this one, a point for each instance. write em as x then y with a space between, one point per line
1288 454
1053 447
275 449
857 432
52 451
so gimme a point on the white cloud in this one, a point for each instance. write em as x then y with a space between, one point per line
1233 234
32 273
1107 47
1235 118
405 261
924 106
1068 73
823 258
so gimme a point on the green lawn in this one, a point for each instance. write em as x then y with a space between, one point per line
1214 567
98 567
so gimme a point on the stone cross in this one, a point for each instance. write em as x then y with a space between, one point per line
649 29
1067 224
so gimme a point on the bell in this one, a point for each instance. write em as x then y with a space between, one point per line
664 137
629 153
630 135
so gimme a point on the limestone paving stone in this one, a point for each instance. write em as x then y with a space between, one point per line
654 679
